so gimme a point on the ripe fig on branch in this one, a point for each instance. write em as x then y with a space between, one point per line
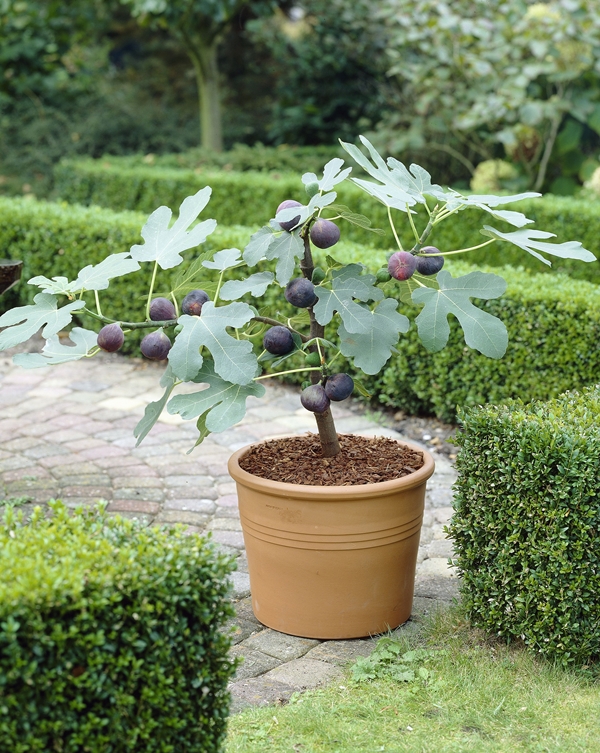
300 292
339 386
193 302
324 233
431 264
287 204
162 309
278 340
402 265
111 338
314 399
156 346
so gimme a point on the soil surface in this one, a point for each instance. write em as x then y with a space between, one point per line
362 460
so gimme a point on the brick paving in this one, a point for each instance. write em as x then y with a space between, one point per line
66 432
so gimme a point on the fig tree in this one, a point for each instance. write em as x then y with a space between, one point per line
402 265
193 302
300 292
287 204
162 309
339 386
278 340
111 337
429 265
314 399
156 346
324 233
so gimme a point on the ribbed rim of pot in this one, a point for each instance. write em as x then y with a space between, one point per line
342 492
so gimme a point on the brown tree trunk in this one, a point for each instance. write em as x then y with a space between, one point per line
325 425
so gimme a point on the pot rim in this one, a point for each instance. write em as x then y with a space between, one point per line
331 492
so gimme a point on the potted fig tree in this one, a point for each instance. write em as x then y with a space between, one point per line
331 523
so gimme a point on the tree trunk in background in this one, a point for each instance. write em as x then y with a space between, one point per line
204 59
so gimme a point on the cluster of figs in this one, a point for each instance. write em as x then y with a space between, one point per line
403 264
156 345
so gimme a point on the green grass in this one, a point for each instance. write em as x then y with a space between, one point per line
472 694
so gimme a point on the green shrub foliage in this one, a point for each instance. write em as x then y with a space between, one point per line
553 321
112 637
119 183
527 521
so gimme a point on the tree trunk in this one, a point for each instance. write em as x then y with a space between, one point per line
325 425
204 59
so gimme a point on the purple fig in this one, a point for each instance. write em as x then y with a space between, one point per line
300 292
162 310
278 340
193 302
314 399
111 337
156 346
339 386
324 233
288 204
430 264
402 265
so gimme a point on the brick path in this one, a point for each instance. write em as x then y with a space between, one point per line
66 432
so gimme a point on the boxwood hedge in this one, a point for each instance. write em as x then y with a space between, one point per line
526 524
553 321
247 198
112 637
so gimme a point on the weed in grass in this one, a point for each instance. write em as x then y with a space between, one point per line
13 501
479 696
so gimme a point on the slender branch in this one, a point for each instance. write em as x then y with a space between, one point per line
421 242
453 153
541 176
97 297
130 325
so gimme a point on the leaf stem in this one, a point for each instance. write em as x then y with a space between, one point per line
389 211
291 371
152 281
219 284
464 250
412 224
97 297
275 323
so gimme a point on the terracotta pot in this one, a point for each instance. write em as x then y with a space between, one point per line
331 561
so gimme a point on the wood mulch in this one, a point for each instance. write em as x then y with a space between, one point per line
362 460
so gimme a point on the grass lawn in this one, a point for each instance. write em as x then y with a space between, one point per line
445 688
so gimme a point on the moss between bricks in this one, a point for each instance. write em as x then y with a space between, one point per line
553 321
526 527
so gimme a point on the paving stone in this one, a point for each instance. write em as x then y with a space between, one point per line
56 461
240 585
228 500
204 492
20 443
134 505
187 481
243 610
440 548
229 538
205 506
137 482
443 515
305 673
281 646
102 492
341 653
438 588
108 451
258 691
120 465
225 524
149 495
435 566
15 462
44 450
83 469
86 479
181 516
239 630
254 662
88 385
227 512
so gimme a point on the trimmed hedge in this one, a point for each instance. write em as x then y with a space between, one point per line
112 637
553 321
526 526
251 199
